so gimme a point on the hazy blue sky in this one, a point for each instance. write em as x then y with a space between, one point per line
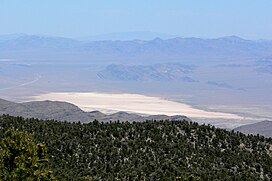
199 18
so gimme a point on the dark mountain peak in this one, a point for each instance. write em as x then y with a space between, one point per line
266 121
4 101
157 40
232 38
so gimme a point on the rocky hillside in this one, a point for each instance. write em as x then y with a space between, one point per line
262 128
64 111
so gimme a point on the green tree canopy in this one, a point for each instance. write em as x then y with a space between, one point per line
21 158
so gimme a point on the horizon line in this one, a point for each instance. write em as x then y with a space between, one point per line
128 39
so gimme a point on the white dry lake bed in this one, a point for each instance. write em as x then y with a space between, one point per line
135 103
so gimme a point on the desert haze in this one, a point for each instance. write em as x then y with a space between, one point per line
135 90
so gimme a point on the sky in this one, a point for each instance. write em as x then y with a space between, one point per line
249 19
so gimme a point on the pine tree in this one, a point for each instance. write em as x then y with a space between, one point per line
21 158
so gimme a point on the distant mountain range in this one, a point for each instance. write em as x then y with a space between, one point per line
144 51
64 111
223 70
125 36
157 72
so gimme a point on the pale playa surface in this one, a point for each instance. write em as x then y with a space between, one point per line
106 103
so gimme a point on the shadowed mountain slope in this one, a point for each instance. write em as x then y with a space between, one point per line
262 128
64 111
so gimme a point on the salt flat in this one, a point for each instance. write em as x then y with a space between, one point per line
107 102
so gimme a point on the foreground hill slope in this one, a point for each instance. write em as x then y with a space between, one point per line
64 111
151 150
263 128
44 110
